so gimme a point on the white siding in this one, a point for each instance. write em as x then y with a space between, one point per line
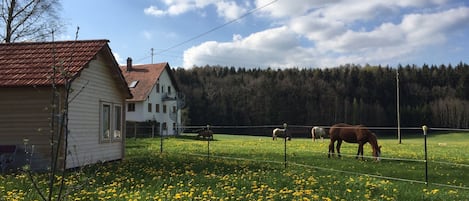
138 114
94 86
141 113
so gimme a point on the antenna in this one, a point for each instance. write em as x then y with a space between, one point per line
151 55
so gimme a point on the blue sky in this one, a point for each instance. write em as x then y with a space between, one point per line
275 33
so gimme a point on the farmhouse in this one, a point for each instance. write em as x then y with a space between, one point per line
156 100
30 71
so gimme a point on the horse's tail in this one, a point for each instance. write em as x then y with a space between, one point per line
274 134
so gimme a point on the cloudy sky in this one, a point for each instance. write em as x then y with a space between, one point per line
275 33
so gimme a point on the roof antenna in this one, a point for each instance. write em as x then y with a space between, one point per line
151 55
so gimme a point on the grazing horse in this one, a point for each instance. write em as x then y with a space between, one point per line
353 134
205 134
280 132
318 132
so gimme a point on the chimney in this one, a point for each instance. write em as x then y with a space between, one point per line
129 64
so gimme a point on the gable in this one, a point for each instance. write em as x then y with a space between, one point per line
144 78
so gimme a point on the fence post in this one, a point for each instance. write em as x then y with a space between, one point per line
208 144
425 128
285 143
161 139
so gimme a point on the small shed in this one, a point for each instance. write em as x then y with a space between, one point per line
34 79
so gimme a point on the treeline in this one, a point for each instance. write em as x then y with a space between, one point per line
437 96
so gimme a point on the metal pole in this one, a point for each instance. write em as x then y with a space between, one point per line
398 106
208 144
425 128
135 130
285 144
161 139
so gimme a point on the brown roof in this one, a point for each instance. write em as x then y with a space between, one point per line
147 76
30 63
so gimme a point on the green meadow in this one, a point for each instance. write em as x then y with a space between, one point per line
237 167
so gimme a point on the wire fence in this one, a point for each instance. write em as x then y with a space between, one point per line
299 131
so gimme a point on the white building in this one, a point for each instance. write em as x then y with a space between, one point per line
155 96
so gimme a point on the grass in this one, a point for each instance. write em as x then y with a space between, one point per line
252 168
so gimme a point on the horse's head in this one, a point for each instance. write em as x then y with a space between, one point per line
377 153
376 147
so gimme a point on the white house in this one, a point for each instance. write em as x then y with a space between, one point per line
96 102
156 97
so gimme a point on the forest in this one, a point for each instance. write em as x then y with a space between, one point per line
437 96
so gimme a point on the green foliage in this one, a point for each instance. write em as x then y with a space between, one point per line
251 168
432 95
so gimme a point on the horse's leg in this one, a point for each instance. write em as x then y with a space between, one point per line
360 150
339 143
331 148
313 135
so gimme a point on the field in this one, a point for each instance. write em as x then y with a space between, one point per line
235 167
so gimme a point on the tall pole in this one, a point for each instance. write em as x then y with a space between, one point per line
398 110
285 143
425 128
151 55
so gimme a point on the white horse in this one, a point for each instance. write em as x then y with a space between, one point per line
280 132
317 132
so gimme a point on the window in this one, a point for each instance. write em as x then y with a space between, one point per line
174 109
117 123
131 107
157 87
111 121
149 107
133 84
165 126
169 89
164 108
105 121
157 107
162 89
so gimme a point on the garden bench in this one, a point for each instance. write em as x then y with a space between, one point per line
7 155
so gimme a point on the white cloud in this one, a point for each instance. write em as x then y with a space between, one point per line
322 32
228 10
153 10
276 47
333 42
290 8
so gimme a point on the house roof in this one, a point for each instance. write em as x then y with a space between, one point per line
147 76
29 64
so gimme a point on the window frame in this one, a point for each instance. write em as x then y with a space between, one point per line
111 127
105 127
130 107
118 122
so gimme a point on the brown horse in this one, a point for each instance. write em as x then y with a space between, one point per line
353 134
